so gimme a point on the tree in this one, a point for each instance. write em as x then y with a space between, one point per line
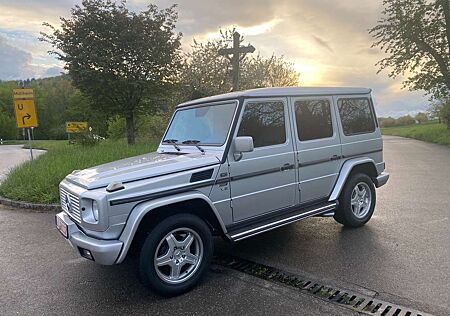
117 57
415 34
405 120
8 129
259 72
435 110
421 117
445 113
387 121
205 72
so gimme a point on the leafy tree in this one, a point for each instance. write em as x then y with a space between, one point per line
261 72
405 120
52 101
421 117
117 57
81 108
435 110
206 73
445 113
415 34
387 121
8 129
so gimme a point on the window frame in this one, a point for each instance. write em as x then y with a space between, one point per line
334 119
286 119
372 112
314 98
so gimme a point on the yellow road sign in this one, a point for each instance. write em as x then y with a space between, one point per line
76 127
25 113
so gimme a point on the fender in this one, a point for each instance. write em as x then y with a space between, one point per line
138 213
345 171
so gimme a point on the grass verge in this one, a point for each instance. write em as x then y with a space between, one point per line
433 132
38 183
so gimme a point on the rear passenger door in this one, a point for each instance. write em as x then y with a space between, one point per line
318 146
264 180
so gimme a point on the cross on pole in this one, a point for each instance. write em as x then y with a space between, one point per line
236 57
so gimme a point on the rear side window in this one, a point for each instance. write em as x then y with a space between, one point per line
313 119
356 116
264 121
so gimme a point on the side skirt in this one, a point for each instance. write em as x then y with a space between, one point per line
285 217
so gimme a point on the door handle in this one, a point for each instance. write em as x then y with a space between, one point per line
287 166
335 157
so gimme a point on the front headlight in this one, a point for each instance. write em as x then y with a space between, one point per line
91 211
95 209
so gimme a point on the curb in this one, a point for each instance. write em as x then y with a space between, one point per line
31 206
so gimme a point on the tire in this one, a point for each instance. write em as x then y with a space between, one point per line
175 254
359 212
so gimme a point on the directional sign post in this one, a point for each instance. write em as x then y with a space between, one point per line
25 110
76 127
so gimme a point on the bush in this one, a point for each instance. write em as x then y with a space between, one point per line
86 139
421 117
406 120
116 128
387 121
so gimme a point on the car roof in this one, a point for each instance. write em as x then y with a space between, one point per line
281 92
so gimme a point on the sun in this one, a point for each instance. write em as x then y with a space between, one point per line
310 75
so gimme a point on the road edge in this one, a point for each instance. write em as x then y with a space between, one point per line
30 206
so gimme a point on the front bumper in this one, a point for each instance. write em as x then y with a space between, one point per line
103 251
381 179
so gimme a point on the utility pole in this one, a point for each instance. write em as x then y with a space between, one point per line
235 56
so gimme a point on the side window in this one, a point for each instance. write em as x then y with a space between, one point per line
356 116
264 121
313 119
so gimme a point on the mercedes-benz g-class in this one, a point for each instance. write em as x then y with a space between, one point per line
233 165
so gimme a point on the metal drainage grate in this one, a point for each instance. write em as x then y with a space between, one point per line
355 301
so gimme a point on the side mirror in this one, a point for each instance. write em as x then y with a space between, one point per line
242 144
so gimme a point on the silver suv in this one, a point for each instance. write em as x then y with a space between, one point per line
233 165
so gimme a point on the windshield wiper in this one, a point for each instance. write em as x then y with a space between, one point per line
172 142
194 142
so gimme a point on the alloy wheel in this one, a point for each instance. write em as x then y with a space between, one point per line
178 255
361 200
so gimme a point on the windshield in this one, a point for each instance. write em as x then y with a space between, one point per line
206 125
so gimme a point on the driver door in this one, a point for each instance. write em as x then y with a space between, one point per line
263 180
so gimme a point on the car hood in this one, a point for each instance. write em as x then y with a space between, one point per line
139 167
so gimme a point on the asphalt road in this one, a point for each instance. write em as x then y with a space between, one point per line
13 155
402 254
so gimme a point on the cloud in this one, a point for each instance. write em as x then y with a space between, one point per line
323 43
16 63
327 40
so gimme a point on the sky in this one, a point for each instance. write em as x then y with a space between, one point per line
326 40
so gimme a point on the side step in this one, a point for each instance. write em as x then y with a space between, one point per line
279 219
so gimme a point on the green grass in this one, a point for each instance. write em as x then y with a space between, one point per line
38 182
431 132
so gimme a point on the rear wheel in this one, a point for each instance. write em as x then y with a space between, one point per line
176 254
356 202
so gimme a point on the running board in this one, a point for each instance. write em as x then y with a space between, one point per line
286 217
328 214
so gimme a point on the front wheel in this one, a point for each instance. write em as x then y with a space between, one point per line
356 202
176 254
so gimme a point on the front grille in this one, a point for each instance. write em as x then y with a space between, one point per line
72 206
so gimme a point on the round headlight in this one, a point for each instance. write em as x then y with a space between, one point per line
95 209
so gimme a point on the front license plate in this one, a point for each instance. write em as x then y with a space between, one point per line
62 227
